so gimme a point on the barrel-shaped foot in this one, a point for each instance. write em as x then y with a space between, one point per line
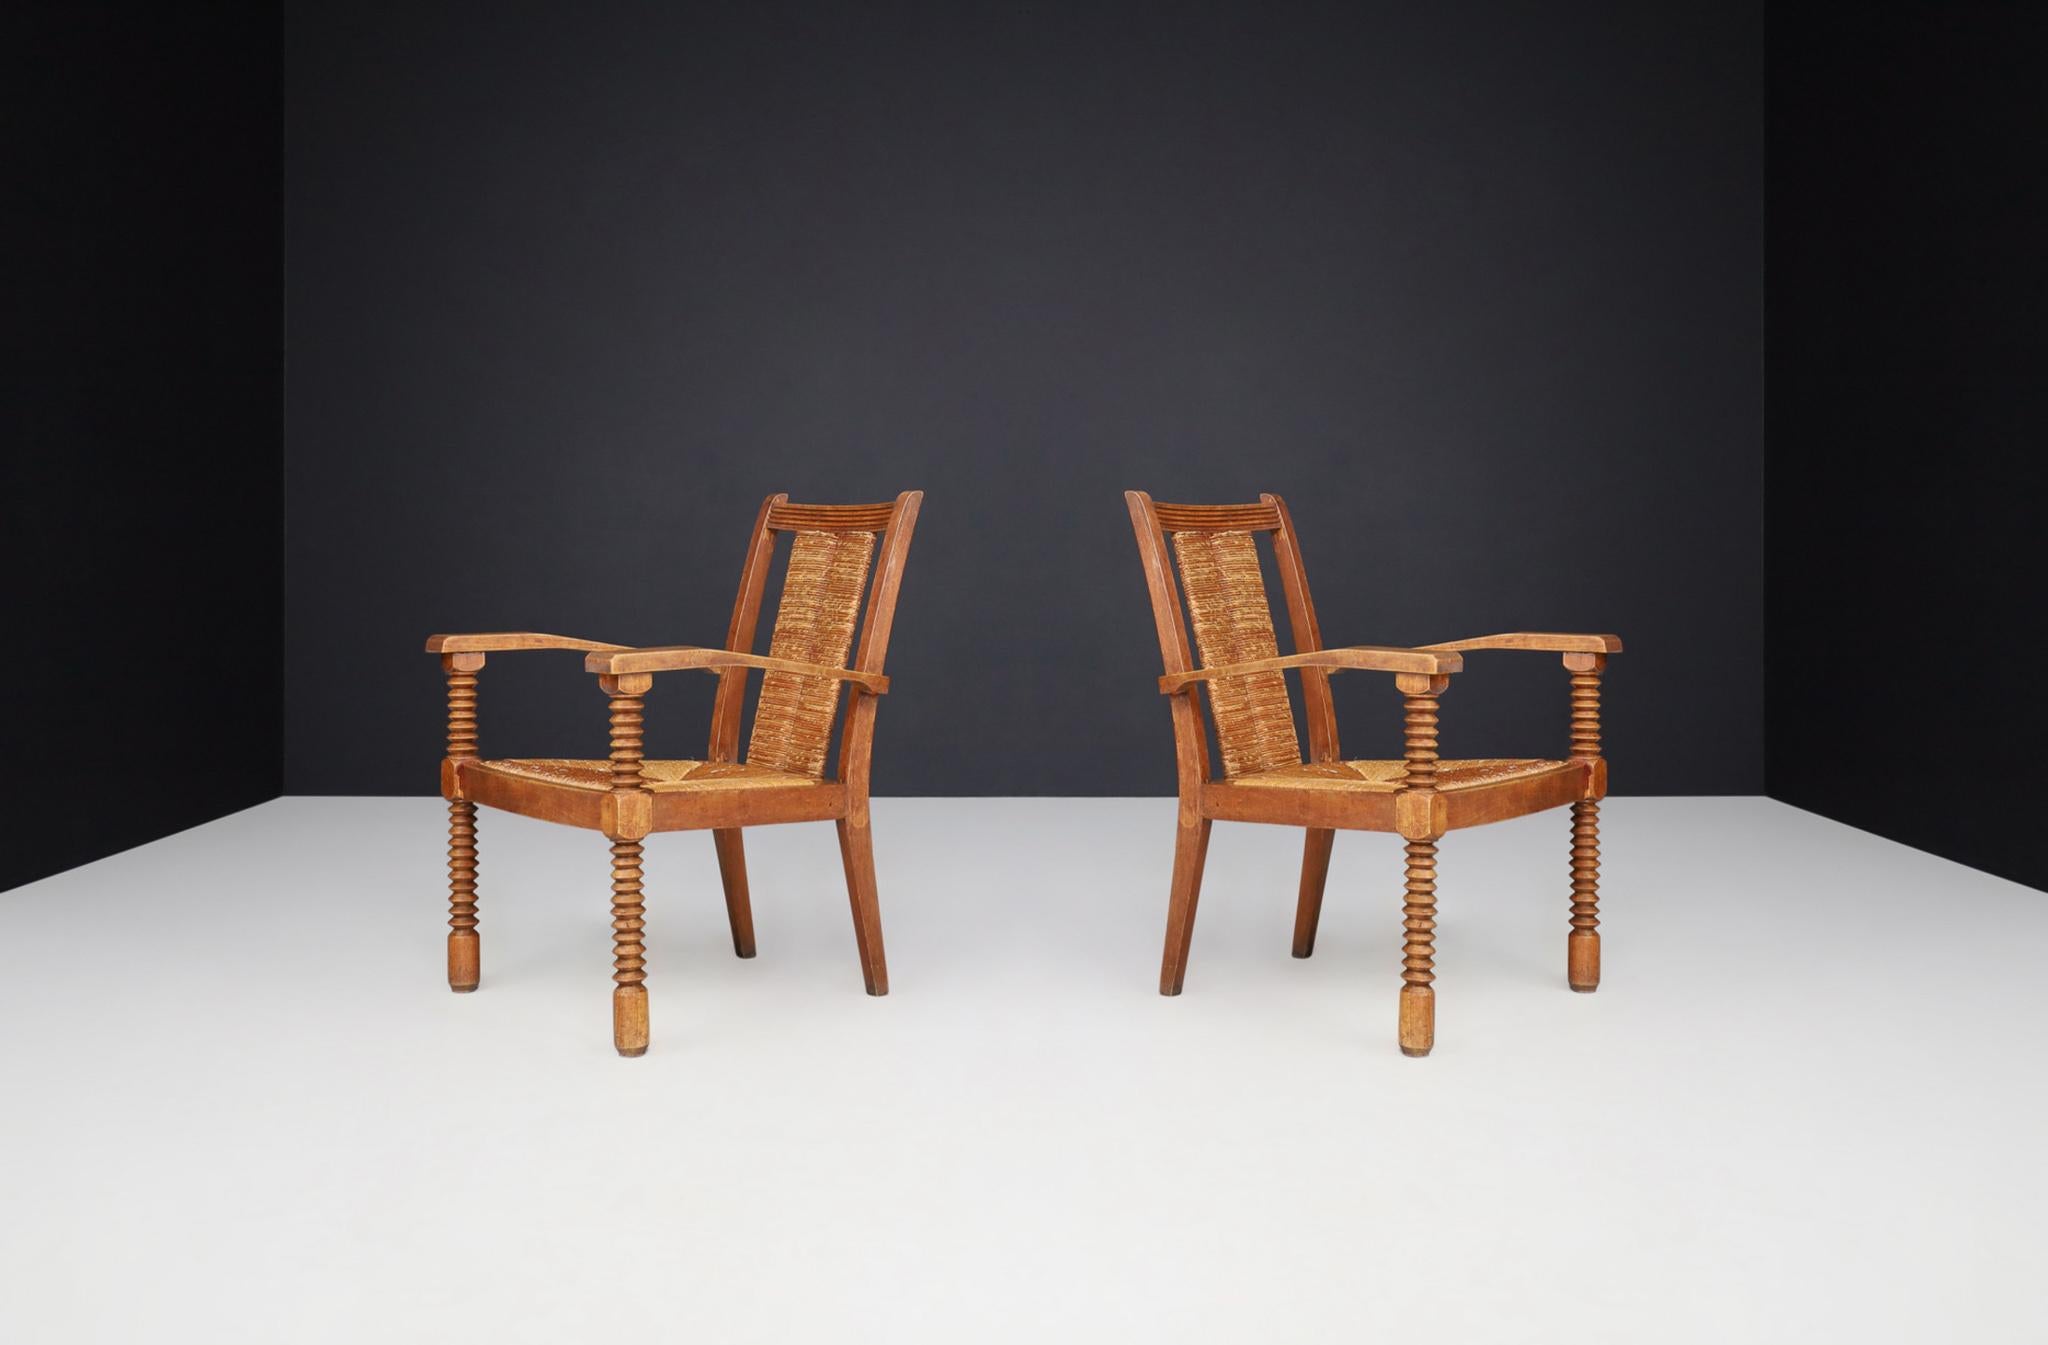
1582 959
463 961
629 1019
1418 1019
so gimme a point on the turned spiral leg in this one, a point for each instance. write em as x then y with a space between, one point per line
1582 955
1583 947
629 955
1418 737
463 946
1418 909
1418 952
463 960
629 812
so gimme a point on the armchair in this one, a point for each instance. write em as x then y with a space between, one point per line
782 777
1263 777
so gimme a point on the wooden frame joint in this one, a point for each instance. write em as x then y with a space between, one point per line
1421 814
626 814
1596 778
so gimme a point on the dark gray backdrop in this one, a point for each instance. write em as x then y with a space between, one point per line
139 423
1909 316
569 288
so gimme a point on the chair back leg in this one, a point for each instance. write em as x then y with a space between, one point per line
732 872
1190 852
1315 870
857 852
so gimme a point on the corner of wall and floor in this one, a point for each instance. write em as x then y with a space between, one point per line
143 513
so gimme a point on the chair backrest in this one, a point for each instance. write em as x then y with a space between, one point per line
832 550
1214 548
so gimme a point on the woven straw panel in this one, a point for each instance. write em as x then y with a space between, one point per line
1384 777
662 777
813 624
1219 571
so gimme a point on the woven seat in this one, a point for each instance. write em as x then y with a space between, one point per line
657 777
1384 777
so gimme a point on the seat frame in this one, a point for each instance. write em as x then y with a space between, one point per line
629 811
1418 812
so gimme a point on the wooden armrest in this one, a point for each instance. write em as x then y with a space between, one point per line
1375 658
1547 641
502 640
614 660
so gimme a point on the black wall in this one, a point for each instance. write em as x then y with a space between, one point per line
1908 320
141 423
571 288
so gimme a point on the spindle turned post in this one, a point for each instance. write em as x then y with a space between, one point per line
1582 959
1418 910
464 952
627 819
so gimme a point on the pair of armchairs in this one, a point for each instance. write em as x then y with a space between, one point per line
1202 568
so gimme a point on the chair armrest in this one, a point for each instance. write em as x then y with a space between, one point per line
1545 641
503 640
1374 658
614 661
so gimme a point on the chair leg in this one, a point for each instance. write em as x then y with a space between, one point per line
1418 960
463 959
732 871
857 852
629 959
1315 868
1190 850
1582 962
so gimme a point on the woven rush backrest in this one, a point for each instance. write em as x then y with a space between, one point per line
1233 623
814 623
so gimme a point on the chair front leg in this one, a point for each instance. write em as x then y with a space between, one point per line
629 955
465 949
464 959
1418 951
628 816
1420 826
1582 948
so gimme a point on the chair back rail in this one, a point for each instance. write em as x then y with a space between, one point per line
1212 561
832 553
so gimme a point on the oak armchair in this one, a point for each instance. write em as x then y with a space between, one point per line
782 777
1263 776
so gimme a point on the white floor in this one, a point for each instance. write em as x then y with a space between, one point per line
238 1104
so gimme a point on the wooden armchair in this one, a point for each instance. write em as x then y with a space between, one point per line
1264 778
782 778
